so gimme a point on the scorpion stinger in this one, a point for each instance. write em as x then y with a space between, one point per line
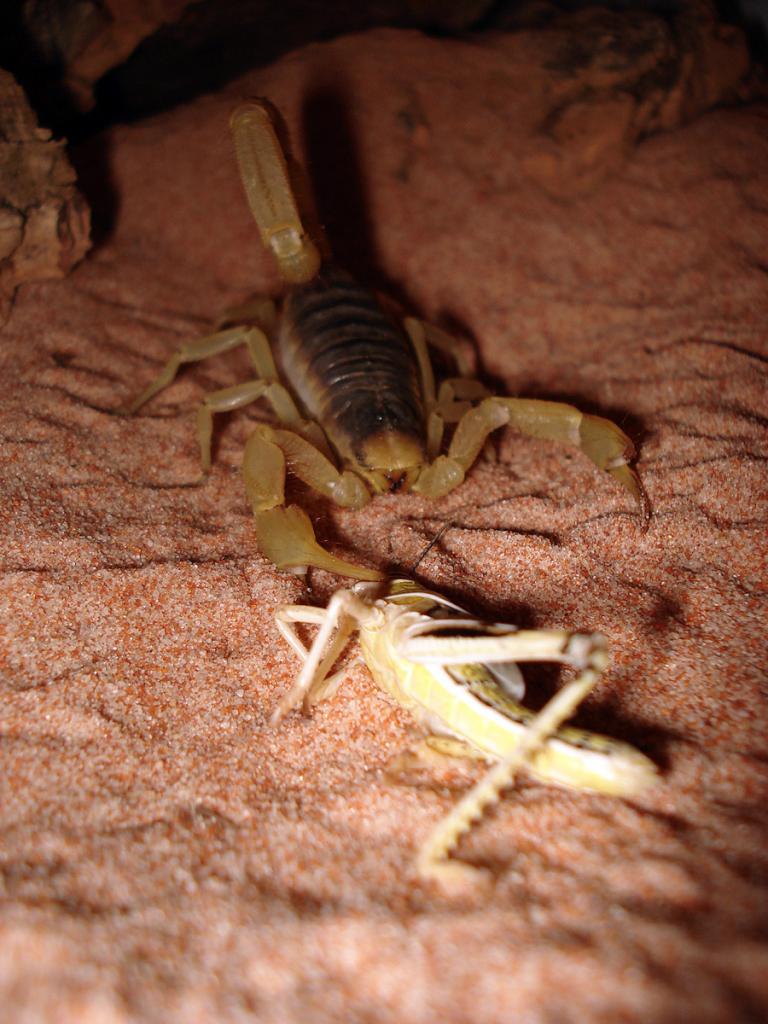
264 172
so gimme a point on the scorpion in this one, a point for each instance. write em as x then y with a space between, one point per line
458 676
363 413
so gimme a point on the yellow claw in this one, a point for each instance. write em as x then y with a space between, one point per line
286 538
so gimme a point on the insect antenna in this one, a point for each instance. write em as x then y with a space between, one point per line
443 529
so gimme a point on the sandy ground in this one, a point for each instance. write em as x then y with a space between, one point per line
165 854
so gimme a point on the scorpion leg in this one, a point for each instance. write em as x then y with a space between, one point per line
227 399
285 534
213 345
456 394
266 385
459 391
441 408
456 397
601 440
416 332
447 344
259 310
278 395
192 352
454 400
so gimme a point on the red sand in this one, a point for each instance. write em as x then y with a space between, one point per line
165 854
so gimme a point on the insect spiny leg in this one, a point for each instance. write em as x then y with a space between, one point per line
432 861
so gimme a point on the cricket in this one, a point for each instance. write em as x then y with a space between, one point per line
458 676
352 386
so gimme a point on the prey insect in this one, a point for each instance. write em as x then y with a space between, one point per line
458 676
361 412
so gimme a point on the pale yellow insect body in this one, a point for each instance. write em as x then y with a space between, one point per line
457 675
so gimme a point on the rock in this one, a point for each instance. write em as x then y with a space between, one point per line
190 47
619 77
44 221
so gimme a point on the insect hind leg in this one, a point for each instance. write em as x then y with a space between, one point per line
588 653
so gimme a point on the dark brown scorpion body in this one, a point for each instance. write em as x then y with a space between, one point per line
355 372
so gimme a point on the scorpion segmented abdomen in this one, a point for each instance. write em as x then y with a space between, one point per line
352 367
